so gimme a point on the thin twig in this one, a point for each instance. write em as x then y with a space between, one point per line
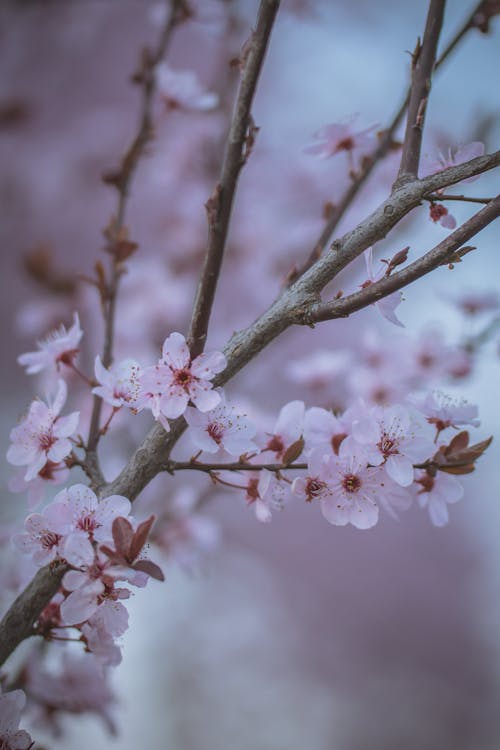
424 58
435 198
172 466
122 181
219 206
445 252
385 143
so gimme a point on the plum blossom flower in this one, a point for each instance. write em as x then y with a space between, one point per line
109 621
119 385
339 138
42 435
263 491
349 491
287 430
11 737
439 213
323 428
181 89
387 305
44 536
51 473
452 159
318 369
443 411
59 348
391 437
222 427
476 302
167 387
88 516
436 493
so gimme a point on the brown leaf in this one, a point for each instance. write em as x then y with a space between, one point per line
293 451
140 538
112 554
153 570
458 443
123 534
465 469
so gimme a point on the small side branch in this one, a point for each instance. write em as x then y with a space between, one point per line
172 466
424 58
444 253
219 206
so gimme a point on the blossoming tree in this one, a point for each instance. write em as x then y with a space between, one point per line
370 431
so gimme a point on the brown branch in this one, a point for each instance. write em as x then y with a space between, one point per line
172 466
424 58
17 625
386 142
441 197
219 205
121 180
445 252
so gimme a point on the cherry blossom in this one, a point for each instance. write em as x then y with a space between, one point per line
287 430
42 435
387 305
109 621
391 437
119 385
59 348
44 536
264 492
223 427
452 159
11 737
436 493
51 473
323 428
181 89
167 387
337 138
443 411
439 213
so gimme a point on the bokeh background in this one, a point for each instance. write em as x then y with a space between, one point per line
294 634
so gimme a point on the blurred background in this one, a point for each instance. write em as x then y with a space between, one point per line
294 634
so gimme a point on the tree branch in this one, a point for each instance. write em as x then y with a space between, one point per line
121 180
219 205
386 141
438 256
423 62
23 613
172 466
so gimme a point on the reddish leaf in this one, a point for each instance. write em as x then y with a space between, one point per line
293 451
458 443
113 555
140 538
465 469
146 566
123 533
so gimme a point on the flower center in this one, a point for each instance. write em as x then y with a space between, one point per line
314 487
46 440
387 446
252 490
275 444
346 144
216 432
49 539
183 377
88 523
351 483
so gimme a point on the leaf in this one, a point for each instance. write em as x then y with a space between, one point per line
465 469
112 554
123 533
458 443
140 538
150 568
293 451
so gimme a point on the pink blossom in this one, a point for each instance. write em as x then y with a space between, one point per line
89 516
42 435
52 474
443 411
287 430
323 428
318 369
436 493
11 737
453 159
263 491
341 137
181 89
78 686
119 385
387 305
167 387
476 302
349 491
45 535
391 437
109 621
439 213
222 427
60 347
